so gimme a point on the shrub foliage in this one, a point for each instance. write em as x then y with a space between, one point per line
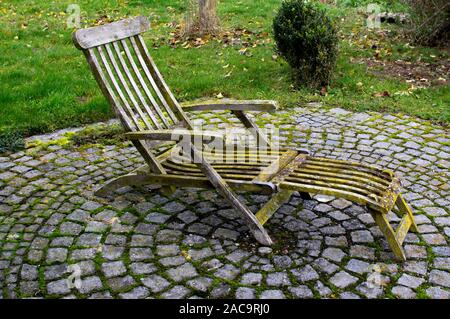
307 39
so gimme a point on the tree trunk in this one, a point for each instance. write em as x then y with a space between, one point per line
207 16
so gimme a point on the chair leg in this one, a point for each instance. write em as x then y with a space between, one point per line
272 205
116 183
385 227
406 210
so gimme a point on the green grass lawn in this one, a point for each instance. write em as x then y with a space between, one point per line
45 83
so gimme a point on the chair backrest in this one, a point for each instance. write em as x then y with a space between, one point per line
128 77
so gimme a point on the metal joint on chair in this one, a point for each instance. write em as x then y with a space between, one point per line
301 150
273 186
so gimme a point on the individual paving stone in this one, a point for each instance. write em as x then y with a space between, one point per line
83 254
29 272
173 207
141 241
323 208
55 271
200 284
110 252
272 294
440 278
334 254
278 279
403 292
434 239
96 227
325 266
69 228
410 281
264 251
341 203
140 268
301 292
79 216
139 254
116 239
90 206
200 254
62 242
415 251
146 229
418 267
155 283
305 274
29 288
90 284
89 240
369 290
251 278
245 293
113 269
199 228
172 261
343 279
182 272
144 207
237 256
168 236
228 272
56 255
221 291
157 218
362 236
187 217
167 250
357 266
177 292
349 295
119 284
226 234
59 287
442 263
282 262
136 293
438 293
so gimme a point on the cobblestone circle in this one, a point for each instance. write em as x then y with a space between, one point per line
58 240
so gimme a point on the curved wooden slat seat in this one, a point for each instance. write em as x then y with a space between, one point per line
149 112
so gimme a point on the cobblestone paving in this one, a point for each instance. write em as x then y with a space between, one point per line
58 240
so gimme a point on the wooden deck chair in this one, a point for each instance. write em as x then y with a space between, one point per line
149 112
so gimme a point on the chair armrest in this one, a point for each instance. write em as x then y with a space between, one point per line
232 105
174 135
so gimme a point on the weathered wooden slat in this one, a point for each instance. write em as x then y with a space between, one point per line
174 135
232 105
142 58
270 171
351 166
125 85
344 176
118 90
289 168
327 179
164 88
143 84
95 36
136 89
329 184
349 172
384 172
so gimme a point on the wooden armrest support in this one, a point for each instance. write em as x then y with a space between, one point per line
232 105
174 135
